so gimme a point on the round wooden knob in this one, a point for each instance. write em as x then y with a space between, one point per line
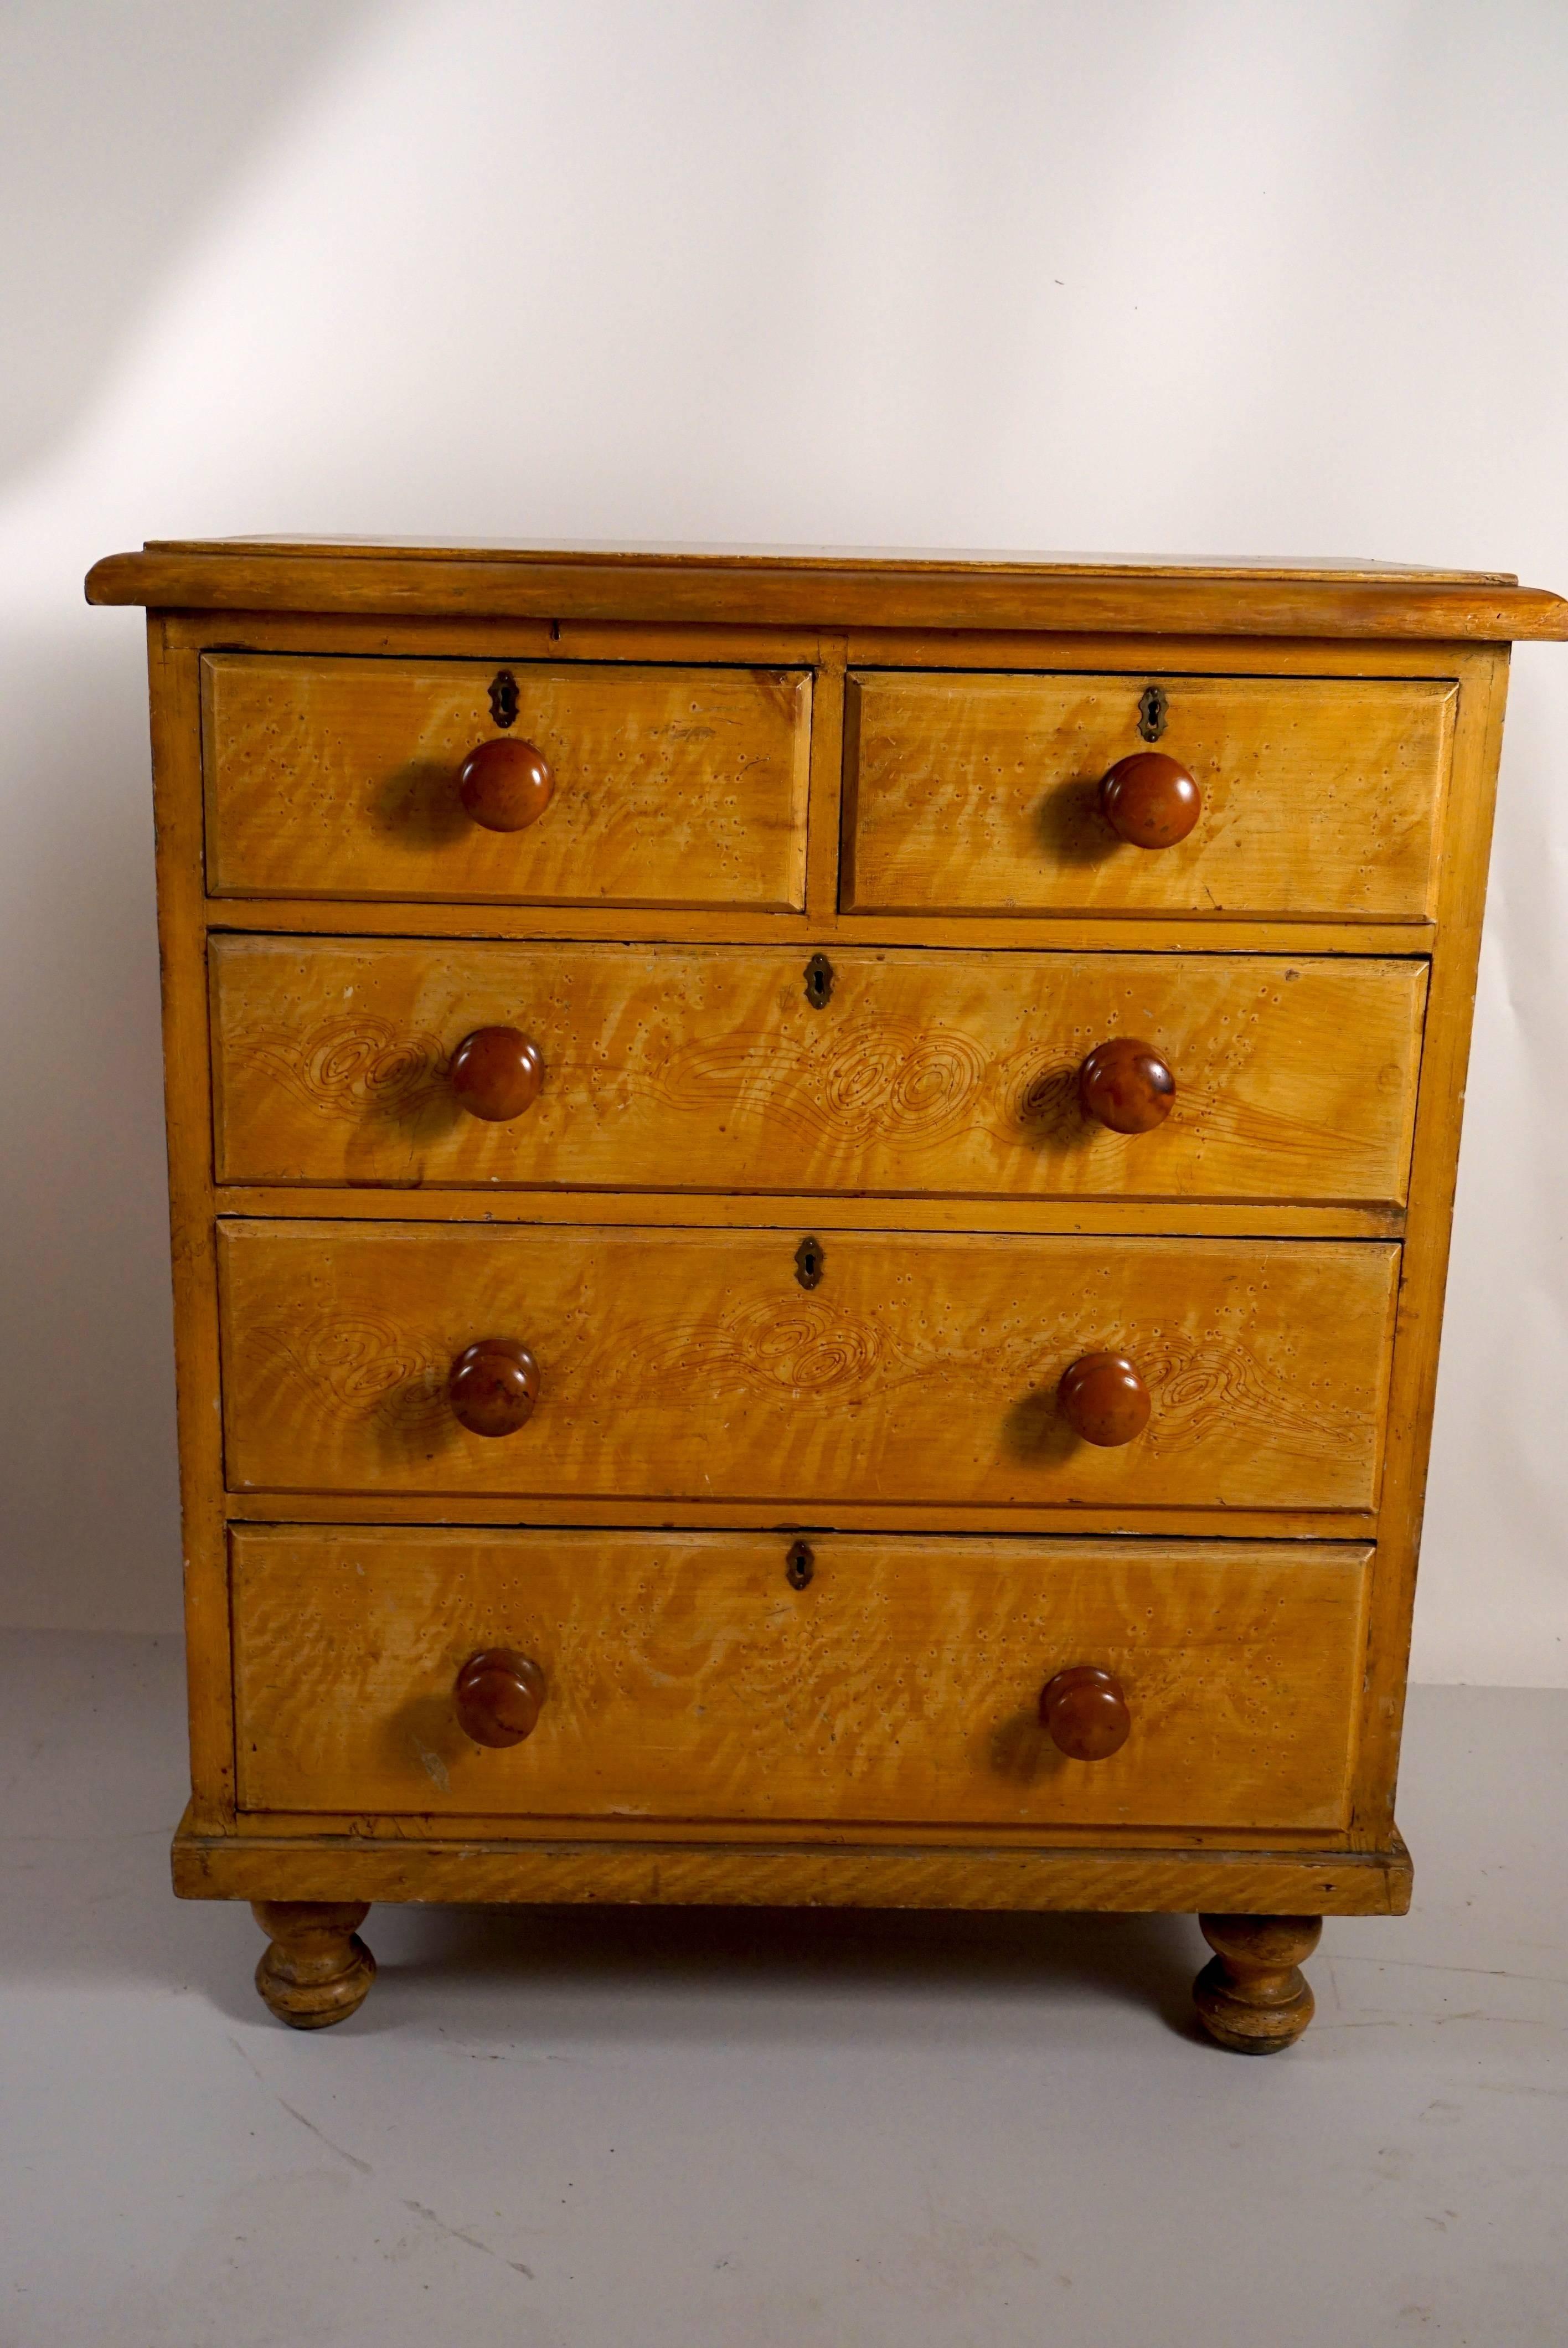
1150 800
494 1386
505 785
1104 1400
1127 1085
1084 1712
500 1696
495 1074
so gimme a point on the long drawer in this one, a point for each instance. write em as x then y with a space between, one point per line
979 794
745 1365
340 778
686 1678
724 1069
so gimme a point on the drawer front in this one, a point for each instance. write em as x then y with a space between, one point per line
979 794
710 1069
672 786
682 1364
686 1679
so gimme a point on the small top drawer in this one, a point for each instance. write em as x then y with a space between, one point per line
1316 796
340 778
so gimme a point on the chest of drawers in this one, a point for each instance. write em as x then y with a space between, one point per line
810 1197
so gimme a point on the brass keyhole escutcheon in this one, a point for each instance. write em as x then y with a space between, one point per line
808 1263
504 698
1153 708
818 981
799 1565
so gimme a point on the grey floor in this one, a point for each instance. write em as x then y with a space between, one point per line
624 2129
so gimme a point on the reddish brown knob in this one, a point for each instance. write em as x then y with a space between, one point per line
1104 1400
505 785
494 1386
1149 800
1084 1712
495 1073
500 1696
1127 1085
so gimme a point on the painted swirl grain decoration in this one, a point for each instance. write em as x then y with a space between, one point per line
904 1081
901 1082
1204 1389
806 1348
349 1067
360 1365
1043 1101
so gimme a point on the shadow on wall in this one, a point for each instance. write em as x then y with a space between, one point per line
122 129
89 1524
120 126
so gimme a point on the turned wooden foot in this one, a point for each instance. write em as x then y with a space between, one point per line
316 1969
1251 1996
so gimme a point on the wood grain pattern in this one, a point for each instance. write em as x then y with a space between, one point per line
981 793
688 1679
832 1873
187 1082
1026 651
1047 1516
940 591
317 1826
826 782
474 636
691 1363
689 555
776 1210
673 785
1254 1997
1435 1165
705 1068
315 1969
1070 932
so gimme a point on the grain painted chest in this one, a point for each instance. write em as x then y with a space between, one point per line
810 1200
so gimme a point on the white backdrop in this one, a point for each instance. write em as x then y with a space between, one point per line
1281 277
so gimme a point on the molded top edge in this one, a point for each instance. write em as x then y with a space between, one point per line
654 553
802 587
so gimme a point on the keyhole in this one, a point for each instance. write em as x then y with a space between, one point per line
799 1565
1151 708
808 1263
818 981
504 698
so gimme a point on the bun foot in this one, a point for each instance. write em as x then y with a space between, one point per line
316 1969
1252 1996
